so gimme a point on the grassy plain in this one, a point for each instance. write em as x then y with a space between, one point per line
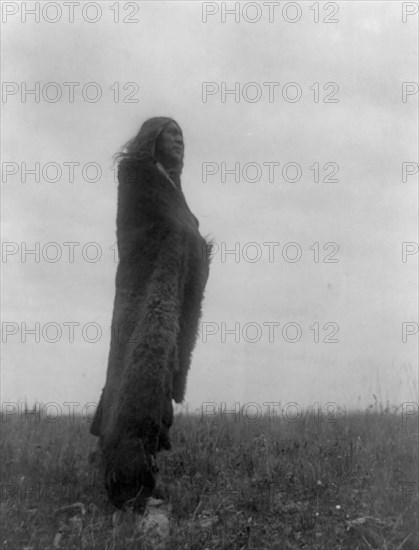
350 483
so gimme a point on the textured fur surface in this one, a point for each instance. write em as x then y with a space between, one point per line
160 283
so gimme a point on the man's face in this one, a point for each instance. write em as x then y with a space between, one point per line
170 145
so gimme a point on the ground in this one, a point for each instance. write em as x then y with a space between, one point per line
350 483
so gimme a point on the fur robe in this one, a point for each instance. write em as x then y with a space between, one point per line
160 281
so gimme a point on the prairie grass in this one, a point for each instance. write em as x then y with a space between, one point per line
311 484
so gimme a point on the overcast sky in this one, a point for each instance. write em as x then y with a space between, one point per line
355 118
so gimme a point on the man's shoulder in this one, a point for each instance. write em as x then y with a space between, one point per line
132 168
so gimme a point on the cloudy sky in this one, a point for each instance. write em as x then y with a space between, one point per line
319 312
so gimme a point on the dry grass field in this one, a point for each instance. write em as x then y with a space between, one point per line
275 485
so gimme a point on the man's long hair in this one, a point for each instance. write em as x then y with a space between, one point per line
146 139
